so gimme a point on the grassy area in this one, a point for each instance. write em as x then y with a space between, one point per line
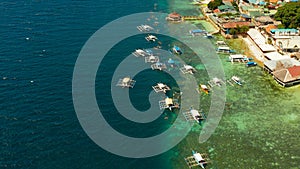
241 47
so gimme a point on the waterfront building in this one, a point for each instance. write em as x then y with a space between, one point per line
274 56
284 63
259 40
288 77
174 17
287 40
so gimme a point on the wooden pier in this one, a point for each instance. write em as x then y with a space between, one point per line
191 18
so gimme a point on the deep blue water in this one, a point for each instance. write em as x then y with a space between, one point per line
40 41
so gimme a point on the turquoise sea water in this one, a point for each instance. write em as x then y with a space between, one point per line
39 129
40 41
260 123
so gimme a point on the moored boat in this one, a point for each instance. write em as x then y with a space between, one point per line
196 115
237 80
144 28
250 64
151 38
199 159
204 88
177 50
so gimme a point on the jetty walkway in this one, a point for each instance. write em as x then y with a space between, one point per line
188 18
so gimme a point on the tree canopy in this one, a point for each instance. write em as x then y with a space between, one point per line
289 15
212 5
239 30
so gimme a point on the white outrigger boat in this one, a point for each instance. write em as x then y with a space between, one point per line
151 59
160 87
237 80
151 38
159 66
216 82
126 82
144 28
193 115
140 52
187 69
197 160
168 103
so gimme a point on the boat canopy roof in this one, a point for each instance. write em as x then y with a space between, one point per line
126 79
198 157
251 63
161 85
195 112
216 80
204 86
188 67
152 57
237 56
197 31
223 48
177 48
169 101
139 50
152 36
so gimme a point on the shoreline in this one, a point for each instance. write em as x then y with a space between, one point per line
237 119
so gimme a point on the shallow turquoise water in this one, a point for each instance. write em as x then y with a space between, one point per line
260 123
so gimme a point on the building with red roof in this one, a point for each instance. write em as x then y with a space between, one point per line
231 25
174 17
288 77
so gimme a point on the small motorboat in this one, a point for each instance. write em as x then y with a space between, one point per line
204 88
250 64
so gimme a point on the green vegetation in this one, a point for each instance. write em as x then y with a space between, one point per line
289 15
212 5
235 5
239 30
228 14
